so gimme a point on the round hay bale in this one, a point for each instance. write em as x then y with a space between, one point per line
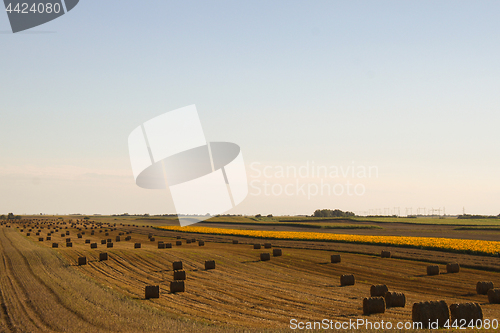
109 240
265 256
430 312
152 239
106 234
68 240
453 268
177 286
482 287
40 239
394 299
433 270
235 241
82 261
385 254
267 245
335 258
137 245
118 238
210 264
201 243
466 311
28 234
378 290
48 238
177 265
347 280
103 256
152 292
188 241
256 246
69 244
277 253
373 305
178 243
494 296
161 245
103 241
109 245
79 235
179 275
93 246
178 237
87 241
168 245
128 238
55 245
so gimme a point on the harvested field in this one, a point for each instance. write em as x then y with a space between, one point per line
243 291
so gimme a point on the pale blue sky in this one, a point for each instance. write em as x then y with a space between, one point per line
411 87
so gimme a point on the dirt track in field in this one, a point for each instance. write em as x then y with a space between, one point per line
242 290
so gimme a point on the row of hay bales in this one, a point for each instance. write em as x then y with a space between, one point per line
487 288
381 298
179 278
450 268
265 256
434 314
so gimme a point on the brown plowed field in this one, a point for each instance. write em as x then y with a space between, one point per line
43 289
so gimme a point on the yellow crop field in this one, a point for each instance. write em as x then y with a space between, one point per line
447 244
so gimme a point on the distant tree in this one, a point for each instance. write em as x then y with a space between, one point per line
332 213
2 217
10 216
270 215
258 216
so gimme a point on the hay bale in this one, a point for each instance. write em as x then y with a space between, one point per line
265 256
82 261
177 265
152 239
453 268
193 240
466 311
137 245
79 235
118 238
103 256
277 253
161 245
373 305
378 290
178 243
256 246
188 241
87 241
178 237
267 245
177 286
152 292
179 275
494 296
67 232
335 258
93 246
210 264
106 234
48 238
235 242
128 238
385 254
109 245
55 245
394 299
482 287
103 241
347 280
109 240
28 234
68 240
69 244
430 312
433 270
40 239
201 243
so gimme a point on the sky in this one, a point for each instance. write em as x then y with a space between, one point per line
406 89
